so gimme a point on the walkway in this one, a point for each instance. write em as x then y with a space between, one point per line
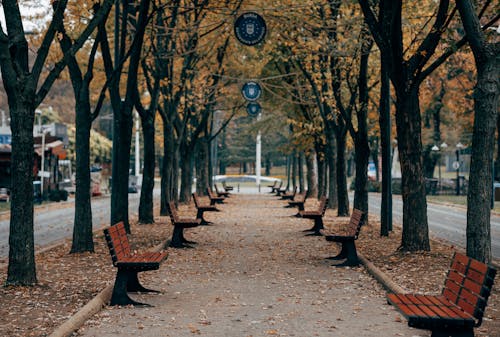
253 273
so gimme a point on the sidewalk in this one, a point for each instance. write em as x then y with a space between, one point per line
254 274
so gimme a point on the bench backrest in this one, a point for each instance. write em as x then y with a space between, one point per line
117 240
469 284
172 212
216 188
323 202
355 223
197 201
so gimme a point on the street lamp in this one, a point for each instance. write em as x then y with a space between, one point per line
439 150
456 164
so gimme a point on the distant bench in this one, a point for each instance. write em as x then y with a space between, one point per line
346 237
316 215
178 240
461 305
214 198
202 208
129 265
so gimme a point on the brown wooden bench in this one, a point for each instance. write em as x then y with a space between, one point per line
298 201
202 208
178 240
129 265
220 193
226 187
289 195
277 187
317 216
214 198
272 186
280 191
461 305
346 239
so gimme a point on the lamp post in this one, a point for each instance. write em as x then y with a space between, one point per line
459 147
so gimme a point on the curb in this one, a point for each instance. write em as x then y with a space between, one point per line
381 277
95 305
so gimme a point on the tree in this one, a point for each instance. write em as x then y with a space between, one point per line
486 96
25 93
82 228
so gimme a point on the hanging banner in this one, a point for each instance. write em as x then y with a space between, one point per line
253 108
251 91
250 28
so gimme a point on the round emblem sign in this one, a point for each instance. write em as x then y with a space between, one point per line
251 91
250 28
253 108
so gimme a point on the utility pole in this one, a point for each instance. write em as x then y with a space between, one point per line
258 156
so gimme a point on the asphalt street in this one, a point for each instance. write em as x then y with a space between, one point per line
54 225
445 222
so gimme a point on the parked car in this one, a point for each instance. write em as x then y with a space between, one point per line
4 194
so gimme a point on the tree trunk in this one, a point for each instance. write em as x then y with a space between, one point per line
486 96
343 198
167 168
408 120
202 166
361 156
146 206
186 174
497 161
386 147
294 169
82 228
312 178
321 164
122 137
21 270
333 200
301 172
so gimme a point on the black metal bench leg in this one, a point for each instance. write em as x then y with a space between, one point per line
184 240
352 256
199 215
340 256
119 296
177 238
318 226
463 332
134 286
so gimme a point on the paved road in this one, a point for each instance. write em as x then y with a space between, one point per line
445 222
53 225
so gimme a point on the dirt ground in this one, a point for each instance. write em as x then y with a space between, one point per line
253 273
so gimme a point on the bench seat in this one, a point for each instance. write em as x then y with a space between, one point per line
180 223
129 265
461 305
346 239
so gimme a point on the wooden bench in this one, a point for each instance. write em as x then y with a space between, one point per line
129 265
461 305
227 188
178 240
277 187
280 191
346 239
272 186
214 198
298 201
289 195
317 216
220 193
202 208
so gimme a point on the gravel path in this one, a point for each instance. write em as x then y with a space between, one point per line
254 273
